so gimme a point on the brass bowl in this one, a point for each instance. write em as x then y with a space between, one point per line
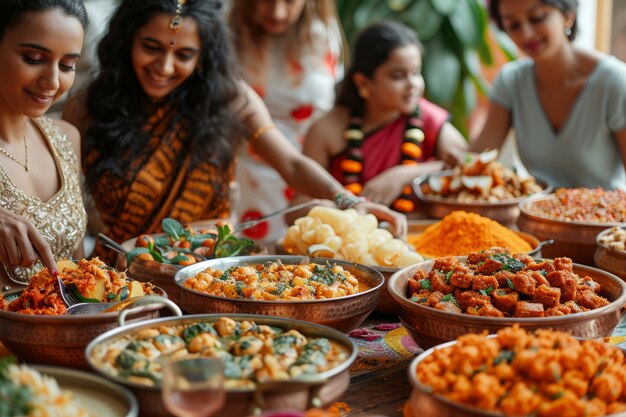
94 392
423 402
61 340
504 212
609 259
342 313
430 327
319 390
575 240
158 273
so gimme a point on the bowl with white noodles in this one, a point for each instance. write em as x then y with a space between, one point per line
53 391
351 236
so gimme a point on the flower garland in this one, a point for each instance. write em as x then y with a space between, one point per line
352 165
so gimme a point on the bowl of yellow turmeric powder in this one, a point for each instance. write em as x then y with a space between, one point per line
461 232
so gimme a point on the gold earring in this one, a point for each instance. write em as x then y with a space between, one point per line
364 93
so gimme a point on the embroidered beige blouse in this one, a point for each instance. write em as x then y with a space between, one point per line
62 220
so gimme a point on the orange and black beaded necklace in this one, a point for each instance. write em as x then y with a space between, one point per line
411 152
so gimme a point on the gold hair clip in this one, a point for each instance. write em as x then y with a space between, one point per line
177 21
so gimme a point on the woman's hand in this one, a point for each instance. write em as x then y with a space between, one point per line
21 243
388 185
384 213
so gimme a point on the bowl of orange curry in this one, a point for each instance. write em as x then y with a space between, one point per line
338 294
35 327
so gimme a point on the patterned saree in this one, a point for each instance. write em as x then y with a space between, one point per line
159 183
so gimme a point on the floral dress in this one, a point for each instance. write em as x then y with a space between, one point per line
296 94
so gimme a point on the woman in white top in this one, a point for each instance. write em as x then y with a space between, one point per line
567 105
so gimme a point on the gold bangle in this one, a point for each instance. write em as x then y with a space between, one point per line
260 132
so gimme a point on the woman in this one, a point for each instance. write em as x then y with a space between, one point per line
289 53
382 133
41 209
160 122
567 105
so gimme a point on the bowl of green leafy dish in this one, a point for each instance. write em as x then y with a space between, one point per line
157 257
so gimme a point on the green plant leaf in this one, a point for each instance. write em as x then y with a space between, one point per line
398 6
466 28
442 72
173 228
136 251
425 20
445 7
506 44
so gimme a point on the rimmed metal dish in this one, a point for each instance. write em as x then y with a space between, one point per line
424 402
317 390
610 259
94 392
430 327
61 340
343 313
505 212
575 240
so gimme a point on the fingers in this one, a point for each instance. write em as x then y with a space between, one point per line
43 249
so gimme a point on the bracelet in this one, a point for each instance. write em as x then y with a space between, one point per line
345 200
260 132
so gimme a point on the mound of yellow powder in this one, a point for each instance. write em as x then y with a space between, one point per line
460 233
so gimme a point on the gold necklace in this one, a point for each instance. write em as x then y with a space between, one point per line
25 163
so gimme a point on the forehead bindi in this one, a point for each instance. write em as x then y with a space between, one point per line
158 29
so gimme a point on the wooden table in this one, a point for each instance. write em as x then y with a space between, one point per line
384 395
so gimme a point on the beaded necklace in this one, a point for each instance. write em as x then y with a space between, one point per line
411 152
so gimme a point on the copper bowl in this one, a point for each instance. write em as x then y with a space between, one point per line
61 340
424 402
609 259
158 273
318 390
504 212
343 313
430 327
575 240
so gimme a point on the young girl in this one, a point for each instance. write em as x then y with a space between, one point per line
41 209
381 133
161 122
289 52
567 105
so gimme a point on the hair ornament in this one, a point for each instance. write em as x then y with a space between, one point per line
177 21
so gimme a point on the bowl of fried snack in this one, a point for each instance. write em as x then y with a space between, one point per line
481 185
518 373
446 297
35 327
573 217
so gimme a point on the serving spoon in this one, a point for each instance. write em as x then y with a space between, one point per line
97 308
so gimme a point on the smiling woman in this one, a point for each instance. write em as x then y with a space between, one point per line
162 121
41 210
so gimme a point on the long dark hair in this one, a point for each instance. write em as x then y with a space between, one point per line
118 108
565 6
13 11
372 48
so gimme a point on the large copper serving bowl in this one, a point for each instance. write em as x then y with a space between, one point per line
424 402
158 273
318 390
342 313
61 340
505 212
430 327
575 240
609 259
